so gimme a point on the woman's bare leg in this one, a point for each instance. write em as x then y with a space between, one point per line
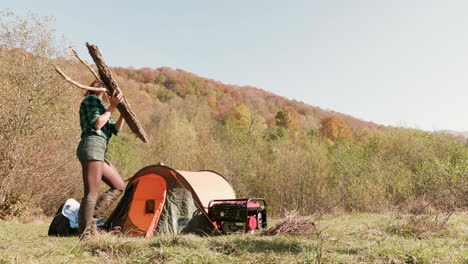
112 178
92 175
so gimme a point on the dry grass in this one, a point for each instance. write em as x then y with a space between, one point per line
420 219
347 238
293 224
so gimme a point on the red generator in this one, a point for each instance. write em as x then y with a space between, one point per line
238 215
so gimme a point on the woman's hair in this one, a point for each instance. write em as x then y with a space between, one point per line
96 84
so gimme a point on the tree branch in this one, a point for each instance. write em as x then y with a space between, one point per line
75 53
77 84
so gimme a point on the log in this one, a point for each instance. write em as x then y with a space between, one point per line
112 85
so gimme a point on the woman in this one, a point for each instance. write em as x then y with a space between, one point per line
97 128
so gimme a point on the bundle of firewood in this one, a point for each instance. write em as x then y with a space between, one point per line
109 85
293 224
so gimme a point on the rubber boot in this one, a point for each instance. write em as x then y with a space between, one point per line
104 202
86 226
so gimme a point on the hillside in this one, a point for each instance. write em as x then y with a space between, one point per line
375 194
222 99
296 156
463 134
321 160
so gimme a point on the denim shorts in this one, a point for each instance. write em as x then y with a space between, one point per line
92 147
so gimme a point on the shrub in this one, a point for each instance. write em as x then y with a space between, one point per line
165 95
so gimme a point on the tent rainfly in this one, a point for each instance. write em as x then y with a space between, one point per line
161 200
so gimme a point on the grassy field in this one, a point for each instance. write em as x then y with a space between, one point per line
351 238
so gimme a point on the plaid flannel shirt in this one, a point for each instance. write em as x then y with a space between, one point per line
90 109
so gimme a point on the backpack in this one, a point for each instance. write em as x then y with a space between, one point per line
60 225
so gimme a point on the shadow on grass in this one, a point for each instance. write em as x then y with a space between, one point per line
348 251
257 245
175 241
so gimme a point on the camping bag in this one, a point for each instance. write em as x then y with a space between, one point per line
60 225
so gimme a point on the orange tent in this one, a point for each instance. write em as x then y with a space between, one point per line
161 200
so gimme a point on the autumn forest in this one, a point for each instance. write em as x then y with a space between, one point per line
295 155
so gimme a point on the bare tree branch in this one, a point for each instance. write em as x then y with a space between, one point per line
75 53
79 85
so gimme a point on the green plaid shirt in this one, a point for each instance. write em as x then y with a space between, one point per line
90 109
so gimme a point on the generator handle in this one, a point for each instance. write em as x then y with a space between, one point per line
258 200
247 200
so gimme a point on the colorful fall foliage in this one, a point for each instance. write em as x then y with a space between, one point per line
334 129
223 99
196 123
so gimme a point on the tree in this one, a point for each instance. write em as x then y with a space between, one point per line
240 117
287 118
36 111
334 129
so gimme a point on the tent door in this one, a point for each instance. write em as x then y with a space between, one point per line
148 201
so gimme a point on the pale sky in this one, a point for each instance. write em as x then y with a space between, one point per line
399 62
